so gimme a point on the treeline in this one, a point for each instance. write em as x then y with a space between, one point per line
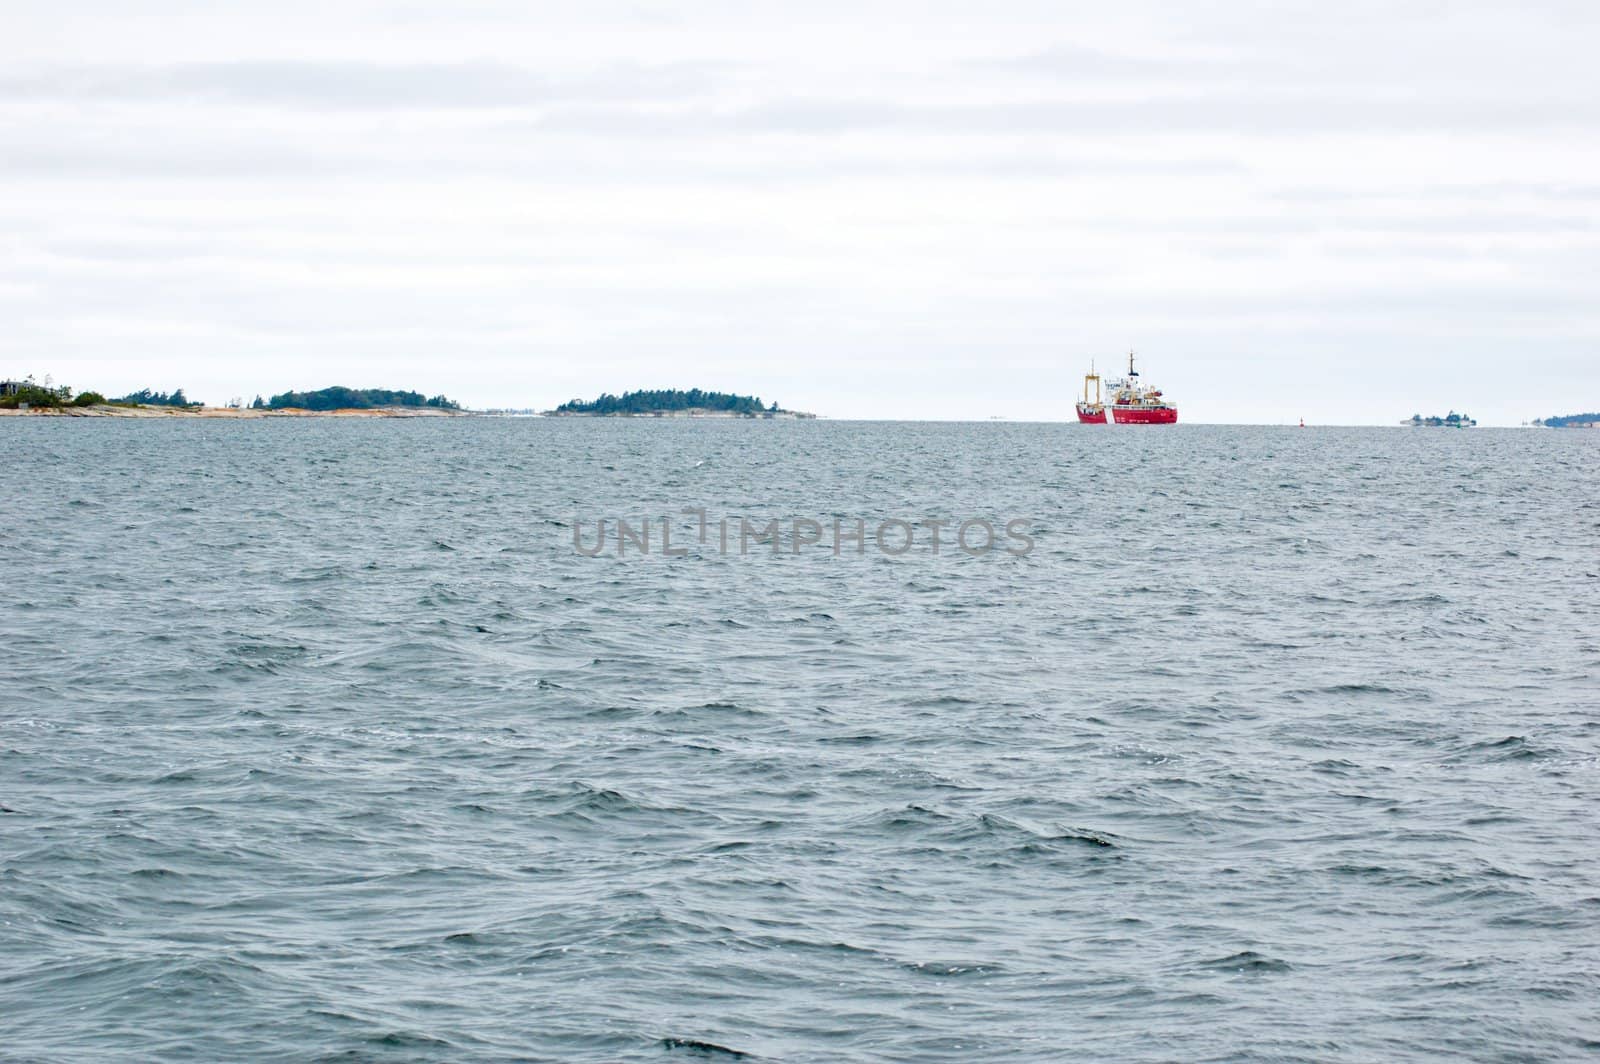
666 401
1570 419
146 397
30 392
14 394
339 398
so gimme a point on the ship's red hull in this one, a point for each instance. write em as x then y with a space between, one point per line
1159 415
1127 415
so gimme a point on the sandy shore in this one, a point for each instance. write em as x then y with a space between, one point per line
228 412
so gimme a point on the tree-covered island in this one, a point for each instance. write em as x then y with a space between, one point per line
341 398
30 396
146 397
1570 421
674 402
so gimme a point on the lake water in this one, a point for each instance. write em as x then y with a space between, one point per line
320 740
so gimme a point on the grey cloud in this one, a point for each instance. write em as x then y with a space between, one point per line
356 85
156 161
1074 62
1244 113
1495 223
98 152
1495 192
1441 300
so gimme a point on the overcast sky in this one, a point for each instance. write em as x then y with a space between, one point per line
1346 212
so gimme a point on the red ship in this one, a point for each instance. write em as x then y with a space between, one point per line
1131 402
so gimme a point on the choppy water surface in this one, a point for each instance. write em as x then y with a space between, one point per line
320 741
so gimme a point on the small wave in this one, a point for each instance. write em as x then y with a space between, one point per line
590 797
1508 748
904 820
1359 691
941 970
591 804
731 709
703 1049
408 1040
859 739
983 828
1247 961
1005 827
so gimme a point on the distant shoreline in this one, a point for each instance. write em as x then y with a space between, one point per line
251 413
228 412
731 415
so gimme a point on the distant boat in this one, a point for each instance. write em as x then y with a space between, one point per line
1452 420
1131 402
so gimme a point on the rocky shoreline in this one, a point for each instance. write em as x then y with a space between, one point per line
248 413
226 413
729 415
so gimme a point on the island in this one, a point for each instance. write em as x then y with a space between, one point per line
147 397
1452 420
1570 421
674 402
28 396
341 398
